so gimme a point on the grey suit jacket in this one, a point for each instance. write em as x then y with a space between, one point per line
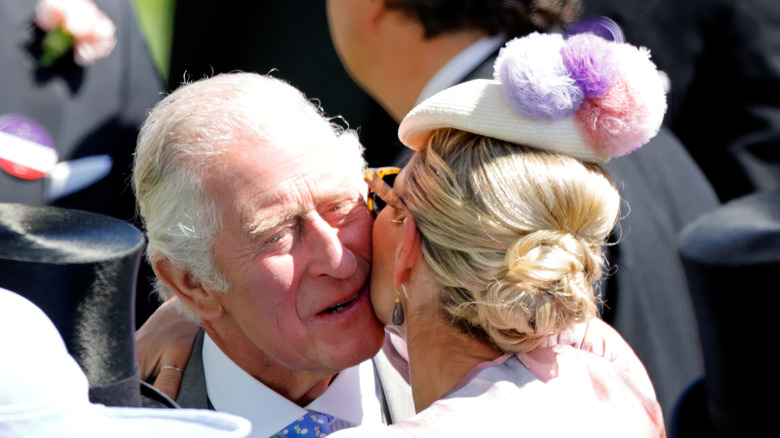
192 392
392 388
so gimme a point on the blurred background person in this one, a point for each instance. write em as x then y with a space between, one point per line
69 118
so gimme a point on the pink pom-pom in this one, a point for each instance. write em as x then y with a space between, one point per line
534 81
630 114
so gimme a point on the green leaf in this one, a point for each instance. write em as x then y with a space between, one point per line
56 43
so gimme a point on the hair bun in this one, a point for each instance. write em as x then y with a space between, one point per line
547 287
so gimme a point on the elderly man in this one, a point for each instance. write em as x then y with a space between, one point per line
403 51
252 203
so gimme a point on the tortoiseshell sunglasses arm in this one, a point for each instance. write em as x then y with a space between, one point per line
373 178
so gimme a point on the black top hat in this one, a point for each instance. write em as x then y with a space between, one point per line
731 257
80 268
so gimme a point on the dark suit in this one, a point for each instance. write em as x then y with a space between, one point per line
90 111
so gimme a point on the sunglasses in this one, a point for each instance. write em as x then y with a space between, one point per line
380 189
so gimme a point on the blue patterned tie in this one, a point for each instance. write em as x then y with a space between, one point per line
313 424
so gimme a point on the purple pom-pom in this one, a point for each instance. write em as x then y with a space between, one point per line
591 62
534 81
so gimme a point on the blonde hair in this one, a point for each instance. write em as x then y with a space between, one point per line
514 234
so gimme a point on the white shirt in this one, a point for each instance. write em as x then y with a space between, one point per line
350 397
461 65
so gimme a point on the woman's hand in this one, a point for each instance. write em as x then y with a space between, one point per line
163 347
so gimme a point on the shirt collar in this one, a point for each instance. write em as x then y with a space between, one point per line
350 397
461 64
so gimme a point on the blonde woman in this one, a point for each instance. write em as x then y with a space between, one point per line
486 260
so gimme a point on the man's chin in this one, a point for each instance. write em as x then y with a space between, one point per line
369 341
355 333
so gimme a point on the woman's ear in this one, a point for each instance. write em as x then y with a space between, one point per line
408 253
189 290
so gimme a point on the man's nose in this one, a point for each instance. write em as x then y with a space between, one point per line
330 256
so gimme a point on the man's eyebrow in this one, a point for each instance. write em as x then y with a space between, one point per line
261 225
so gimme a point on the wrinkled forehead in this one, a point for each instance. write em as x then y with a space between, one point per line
282 179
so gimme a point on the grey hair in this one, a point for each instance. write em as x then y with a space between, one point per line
177 145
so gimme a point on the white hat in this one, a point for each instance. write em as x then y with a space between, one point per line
583 96
43 391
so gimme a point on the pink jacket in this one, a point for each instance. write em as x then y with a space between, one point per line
585 382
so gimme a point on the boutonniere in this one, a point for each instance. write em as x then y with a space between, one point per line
74 25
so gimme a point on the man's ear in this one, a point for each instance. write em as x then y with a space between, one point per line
374 11
408 252
189 290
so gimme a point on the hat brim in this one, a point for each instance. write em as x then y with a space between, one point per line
95 420
191 423
43 391
478 107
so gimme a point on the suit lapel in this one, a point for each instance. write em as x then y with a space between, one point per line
392 388
192 393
